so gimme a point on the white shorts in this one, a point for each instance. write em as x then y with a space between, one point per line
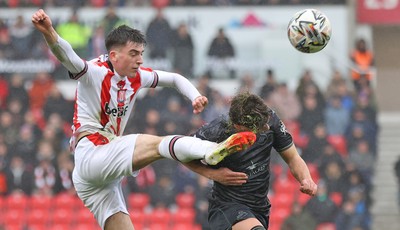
99 170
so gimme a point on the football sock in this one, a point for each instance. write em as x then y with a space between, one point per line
184 148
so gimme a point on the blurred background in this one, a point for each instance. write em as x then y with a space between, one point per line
341 106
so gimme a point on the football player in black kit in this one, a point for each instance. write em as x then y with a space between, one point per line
247 206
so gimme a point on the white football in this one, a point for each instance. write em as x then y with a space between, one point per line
309 31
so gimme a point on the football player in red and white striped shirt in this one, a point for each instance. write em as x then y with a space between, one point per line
106 91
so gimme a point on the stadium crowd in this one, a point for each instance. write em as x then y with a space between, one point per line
158 3
335 130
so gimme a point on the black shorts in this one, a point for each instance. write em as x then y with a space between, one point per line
223 215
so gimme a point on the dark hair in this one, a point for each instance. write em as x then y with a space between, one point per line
122 35
250 111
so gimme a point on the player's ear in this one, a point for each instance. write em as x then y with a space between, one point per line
113 55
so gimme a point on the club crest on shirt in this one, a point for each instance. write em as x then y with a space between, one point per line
121 92
121 95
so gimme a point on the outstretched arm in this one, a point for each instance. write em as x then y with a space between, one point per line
59 47
299 170
185 87
224 176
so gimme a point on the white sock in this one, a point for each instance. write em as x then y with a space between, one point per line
184 148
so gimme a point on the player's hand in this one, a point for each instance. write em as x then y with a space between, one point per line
228 177
41 21
199 104
308 186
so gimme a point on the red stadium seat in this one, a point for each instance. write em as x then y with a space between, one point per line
14 217
339 143
84 216
182 226
40 203
38 217
337 198
138 201
81 226
158 226
185 200
184 216
139 217
63 217
303 198
326 226
277 216
313 168
285 186
283 200
65 201
16 201
160 216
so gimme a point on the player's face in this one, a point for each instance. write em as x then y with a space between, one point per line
127 59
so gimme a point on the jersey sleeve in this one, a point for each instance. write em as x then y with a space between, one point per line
282 138
148 77
217 130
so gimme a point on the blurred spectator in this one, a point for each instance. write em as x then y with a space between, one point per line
8 128
219 106
337 118
317 142
97 42
246 83
159 36
334 177
4 163
299 219
21 38
17 111
185 180
183 50
306 80
54 133
397 174
357 196
269 85
18 91
76 33
201 202
39 90
347 97
56 103
321 207
152 123
337 79
328 155
175 119
311 115
370 129
6 50
19 178
163 192
348 218
3 92
25 147
356 181
221 54
203 86
110 21
65 166
363 61
362 159
45 177
285 102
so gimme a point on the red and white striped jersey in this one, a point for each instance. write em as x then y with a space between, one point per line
104 99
